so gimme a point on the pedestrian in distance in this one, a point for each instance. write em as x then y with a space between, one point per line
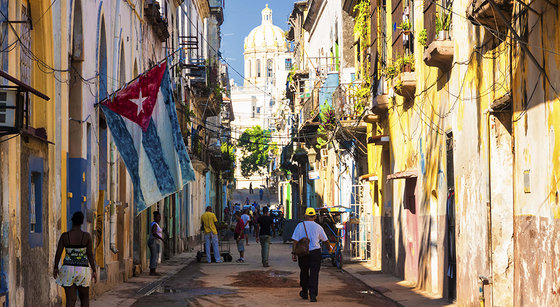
261 193
254 220
209 221
239 236
246 218
264 226
250 188
310 262
156 236
78 266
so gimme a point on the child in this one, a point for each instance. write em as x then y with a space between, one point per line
239 235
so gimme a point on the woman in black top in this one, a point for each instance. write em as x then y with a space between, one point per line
75 274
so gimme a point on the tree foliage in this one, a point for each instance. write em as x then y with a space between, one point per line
257 149
228 156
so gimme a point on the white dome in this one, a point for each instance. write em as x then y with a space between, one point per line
266 36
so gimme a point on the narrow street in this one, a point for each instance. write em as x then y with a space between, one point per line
249 284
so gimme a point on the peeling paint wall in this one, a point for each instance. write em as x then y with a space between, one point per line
64 171
505 166
536 167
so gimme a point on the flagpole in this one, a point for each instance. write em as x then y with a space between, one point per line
134 79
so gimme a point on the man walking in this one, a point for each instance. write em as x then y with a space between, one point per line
246 218
309 264
264 224
209 221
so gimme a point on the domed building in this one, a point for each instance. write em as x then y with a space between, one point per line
260 101
266 49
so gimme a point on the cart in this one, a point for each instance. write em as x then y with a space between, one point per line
223 245
330 220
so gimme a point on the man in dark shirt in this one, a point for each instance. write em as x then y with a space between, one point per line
264 225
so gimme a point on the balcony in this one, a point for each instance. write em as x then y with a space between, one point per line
217 9
197 70
189 42
380 105
348 107
322 66
153 16
439 53
405 84
487 14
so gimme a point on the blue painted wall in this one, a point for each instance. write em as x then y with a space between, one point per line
77 171
327 89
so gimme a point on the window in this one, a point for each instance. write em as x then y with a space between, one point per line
269 68
249 68
408 15
258 68
288 64
396 20
253 107
35 202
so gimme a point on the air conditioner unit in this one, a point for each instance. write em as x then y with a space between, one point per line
8 108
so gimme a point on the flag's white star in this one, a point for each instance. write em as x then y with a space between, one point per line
139 101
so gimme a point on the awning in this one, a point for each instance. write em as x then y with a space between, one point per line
378 139
410 173
370 177
24 86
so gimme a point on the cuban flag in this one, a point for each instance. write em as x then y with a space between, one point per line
143 122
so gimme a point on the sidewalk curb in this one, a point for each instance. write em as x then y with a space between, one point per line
151 287
372 287
141 288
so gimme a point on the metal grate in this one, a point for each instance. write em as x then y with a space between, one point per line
361 223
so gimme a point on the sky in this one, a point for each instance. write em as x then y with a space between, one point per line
240 17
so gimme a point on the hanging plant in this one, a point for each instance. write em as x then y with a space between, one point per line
327 125
362 33
405 26
423 37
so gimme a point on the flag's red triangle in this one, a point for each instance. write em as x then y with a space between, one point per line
137 100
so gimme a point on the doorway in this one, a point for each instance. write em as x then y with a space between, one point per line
450 260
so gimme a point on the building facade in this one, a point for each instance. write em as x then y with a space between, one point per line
70 55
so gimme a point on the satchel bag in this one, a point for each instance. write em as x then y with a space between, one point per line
302 246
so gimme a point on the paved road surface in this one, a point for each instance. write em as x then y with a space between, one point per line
249 284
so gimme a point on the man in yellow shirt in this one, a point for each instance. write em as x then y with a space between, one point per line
209 221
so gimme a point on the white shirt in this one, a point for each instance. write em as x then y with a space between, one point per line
246 218
315 233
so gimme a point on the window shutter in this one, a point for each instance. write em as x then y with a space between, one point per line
430 20
396 17
373 40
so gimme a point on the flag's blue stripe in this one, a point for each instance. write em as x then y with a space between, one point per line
125 144
187 171
152 146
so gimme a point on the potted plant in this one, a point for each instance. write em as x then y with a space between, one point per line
405 26
407 63
391 71
423 37
442 26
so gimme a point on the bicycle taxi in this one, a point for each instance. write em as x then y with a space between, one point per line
330 218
